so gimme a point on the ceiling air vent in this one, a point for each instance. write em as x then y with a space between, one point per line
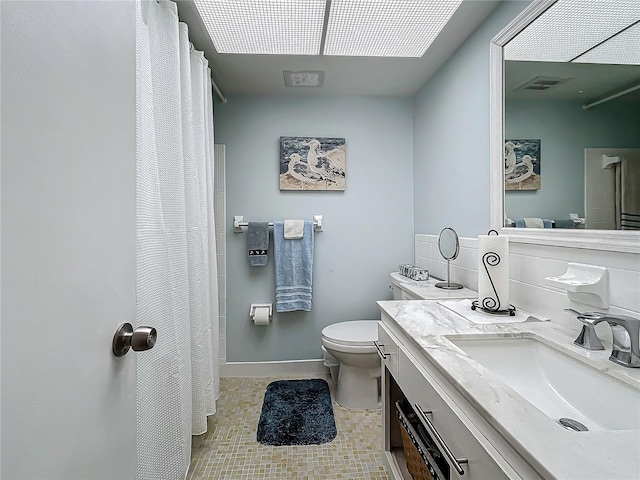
306 78
543 83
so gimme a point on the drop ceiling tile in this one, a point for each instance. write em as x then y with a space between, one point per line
385 28
276 27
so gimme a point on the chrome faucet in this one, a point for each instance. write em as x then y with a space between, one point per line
625 332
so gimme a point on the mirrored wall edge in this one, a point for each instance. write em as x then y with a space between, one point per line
616 241
609 240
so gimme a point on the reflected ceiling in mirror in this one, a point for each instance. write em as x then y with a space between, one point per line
572 81
591 31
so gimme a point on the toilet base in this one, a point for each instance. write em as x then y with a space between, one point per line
358 388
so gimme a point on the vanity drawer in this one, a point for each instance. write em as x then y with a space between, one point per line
457 432
388 349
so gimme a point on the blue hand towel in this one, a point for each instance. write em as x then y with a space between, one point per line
258 243
294 266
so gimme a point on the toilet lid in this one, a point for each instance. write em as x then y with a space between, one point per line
357 332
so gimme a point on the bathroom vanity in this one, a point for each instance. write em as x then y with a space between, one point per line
489 398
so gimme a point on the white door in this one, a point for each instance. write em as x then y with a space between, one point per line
68 239
600 186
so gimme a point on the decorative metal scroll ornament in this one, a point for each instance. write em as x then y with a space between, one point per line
490 304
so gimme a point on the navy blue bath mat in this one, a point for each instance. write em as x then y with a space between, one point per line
297 412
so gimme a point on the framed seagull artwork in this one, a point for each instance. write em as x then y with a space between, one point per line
522 164
312 163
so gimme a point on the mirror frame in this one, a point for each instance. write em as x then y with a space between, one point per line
457 245
611 240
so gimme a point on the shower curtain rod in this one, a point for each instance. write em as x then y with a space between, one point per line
213 83
217 90
633 88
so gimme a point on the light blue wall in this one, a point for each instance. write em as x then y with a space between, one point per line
451 136
565 130
368 228
412 165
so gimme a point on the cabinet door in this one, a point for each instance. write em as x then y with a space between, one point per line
457 432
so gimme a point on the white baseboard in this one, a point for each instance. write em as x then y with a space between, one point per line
273 369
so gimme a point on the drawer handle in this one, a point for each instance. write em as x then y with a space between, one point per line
383 355
422 415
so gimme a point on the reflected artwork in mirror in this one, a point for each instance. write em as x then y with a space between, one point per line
522 164
567 72
449 247
572 80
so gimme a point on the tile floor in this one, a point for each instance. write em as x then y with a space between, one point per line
230 450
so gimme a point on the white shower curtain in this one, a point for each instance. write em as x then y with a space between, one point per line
177 381
197 132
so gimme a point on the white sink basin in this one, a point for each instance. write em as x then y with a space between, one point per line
557 384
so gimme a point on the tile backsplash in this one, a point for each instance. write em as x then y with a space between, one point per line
220 216
529 264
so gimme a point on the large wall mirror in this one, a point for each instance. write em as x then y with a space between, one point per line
565 125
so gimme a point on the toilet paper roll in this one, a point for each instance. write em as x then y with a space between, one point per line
493 272
261 316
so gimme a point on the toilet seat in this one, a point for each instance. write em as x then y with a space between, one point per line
353 336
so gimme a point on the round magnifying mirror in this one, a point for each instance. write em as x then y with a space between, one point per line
448 244
449 247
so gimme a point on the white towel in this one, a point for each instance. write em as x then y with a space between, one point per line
293 229
534 222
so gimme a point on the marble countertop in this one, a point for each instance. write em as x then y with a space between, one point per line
426 289
552 450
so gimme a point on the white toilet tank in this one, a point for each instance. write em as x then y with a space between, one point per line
394 285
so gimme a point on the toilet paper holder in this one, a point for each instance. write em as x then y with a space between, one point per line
254 306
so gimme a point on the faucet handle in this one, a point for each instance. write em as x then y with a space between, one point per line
588 318
588 337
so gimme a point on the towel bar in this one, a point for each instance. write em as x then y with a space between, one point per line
238 223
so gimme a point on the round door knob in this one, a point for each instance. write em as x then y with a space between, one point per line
143 338
140 339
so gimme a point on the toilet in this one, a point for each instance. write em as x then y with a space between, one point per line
351 343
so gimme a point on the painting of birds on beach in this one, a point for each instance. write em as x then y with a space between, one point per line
312 163
522 164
